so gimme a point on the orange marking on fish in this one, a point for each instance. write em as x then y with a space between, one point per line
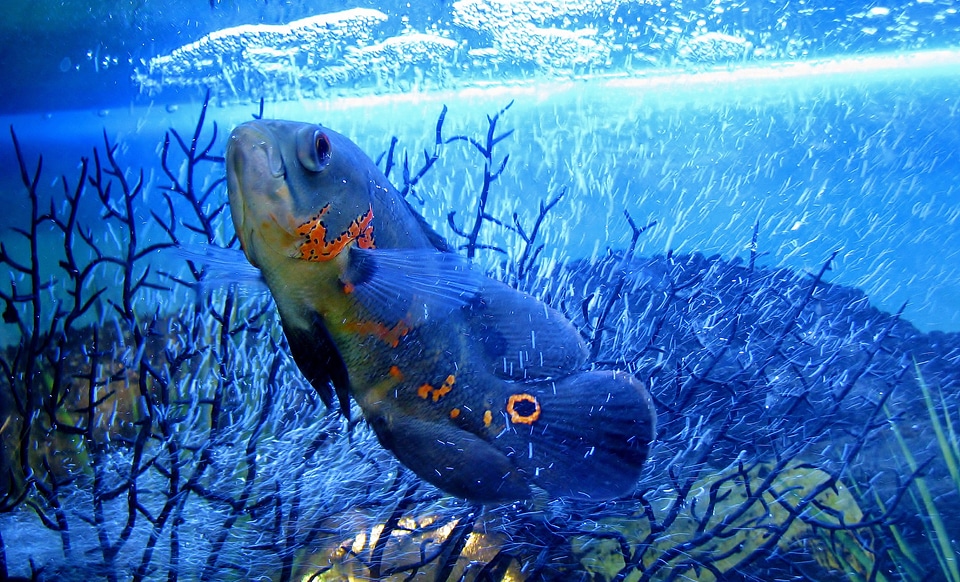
426 390
396 373
445 388
314 232
390 335
455 412
348 288
364 230
523 408
487 418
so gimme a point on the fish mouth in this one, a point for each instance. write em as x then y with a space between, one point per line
255 170
254 143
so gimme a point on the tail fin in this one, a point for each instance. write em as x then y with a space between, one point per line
586 435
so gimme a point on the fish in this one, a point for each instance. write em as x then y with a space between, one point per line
484 391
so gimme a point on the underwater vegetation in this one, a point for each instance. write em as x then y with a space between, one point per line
154 425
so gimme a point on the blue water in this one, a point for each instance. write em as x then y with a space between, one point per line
844 155
835 129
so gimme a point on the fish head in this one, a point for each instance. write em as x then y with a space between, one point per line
296 189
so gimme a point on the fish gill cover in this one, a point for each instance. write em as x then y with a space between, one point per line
154 425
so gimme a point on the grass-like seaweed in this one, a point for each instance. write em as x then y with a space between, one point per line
937 535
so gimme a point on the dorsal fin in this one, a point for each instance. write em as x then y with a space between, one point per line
521 337
433 236
586 435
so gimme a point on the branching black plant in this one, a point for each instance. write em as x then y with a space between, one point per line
532 247
92 373
61 377
490 176
184 183
411 179
739 373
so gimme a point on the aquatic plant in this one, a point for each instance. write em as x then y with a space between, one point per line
937 535
519 270
153 425
125 425
410 179
490 175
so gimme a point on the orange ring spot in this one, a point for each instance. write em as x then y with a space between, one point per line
455 413
518 417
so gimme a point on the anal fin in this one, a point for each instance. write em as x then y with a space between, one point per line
457 461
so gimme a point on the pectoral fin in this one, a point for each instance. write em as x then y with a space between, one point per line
221 267
409 285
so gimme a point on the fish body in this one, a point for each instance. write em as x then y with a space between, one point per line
478 388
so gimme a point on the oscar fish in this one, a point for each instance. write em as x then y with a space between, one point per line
479 389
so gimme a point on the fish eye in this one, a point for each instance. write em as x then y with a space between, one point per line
313 149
